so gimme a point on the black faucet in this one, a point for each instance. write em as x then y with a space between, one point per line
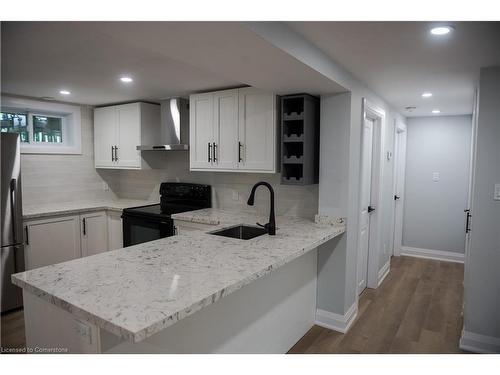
271 226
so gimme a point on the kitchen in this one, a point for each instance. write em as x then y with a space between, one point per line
208 206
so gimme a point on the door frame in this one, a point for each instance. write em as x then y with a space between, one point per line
400 133
377 114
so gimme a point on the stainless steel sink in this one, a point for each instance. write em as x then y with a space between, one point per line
242 232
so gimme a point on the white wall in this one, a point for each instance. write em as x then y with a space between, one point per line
434 211
482 276
63 178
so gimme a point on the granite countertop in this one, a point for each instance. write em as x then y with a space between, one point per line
66 208
137 291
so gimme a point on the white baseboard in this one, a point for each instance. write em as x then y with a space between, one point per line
447 256
383 272
337 322
476 343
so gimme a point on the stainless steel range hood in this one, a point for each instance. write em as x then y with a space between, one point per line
174 127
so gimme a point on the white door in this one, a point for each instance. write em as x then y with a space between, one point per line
51 241
115 230
94 233
257 130
105 133
201 137
226 129
366 184
399 183
129 135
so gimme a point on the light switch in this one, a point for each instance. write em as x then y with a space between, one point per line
496 195
435 176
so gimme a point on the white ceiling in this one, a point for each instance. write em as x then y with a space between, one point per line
164 58
398 60
401 60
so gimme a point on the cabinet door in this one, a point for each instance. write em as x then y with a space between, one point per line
257 130
115 230
201 134
105 132
226 129
52 241
129 135
94 233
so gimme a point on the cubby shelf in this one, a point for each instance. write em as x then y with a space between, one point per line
300 139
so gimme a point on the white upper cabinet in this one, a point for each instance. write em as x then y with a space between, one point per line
257 130
201 132
233 130
118 130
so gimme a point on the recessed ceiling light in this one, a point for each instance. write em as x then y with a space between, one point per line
436 111
64 92
426 94
126 79
441 30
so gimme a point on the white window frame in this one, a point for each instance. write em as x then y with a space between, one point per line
71 124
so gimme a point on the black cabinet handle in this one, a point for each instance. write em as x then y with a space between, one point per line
116 153
239 152
112 153
84 227
215 152
371 209
209 152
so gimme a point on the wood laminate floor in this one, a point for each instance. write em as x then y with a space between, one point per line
417 309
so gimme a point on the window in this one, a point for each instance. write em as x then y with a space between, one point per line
44 127
47 129
33 128
15 123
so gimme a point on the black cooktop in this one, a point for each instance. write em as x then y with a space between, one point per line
155 210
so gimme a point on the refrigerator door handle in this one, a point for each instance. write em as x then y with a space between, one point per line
13 183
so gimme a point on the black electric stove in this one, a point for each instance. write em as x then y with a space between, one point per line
151 222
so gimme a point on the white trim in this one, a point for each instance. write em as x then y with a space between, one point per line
476 343
71 114
447 256
375 248
337 322
384 271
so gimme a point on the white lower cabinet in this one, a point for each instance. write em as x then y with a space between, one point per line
94 233
61 238
53 240
115 230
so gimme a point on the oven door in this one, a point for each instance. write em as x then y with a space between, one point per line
138 229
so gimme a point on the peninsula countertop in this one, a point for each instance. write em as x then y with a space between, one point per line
140 290
32 211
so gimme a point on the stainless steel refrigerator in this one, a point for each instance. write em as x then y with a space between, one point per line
11 220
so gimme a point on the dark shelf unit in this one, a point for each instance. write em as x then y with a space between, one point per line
300 139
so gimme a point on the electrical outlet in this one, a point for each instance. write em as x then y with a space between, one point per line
84 331
496 195
435 176
105 186
236 196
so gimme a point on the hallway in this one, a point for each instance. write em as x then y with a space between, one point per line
417 309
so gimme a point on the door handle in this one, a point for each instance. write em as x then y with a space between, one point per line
13 183
215 152
397 197
467 220
209 152
371 209
239 152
